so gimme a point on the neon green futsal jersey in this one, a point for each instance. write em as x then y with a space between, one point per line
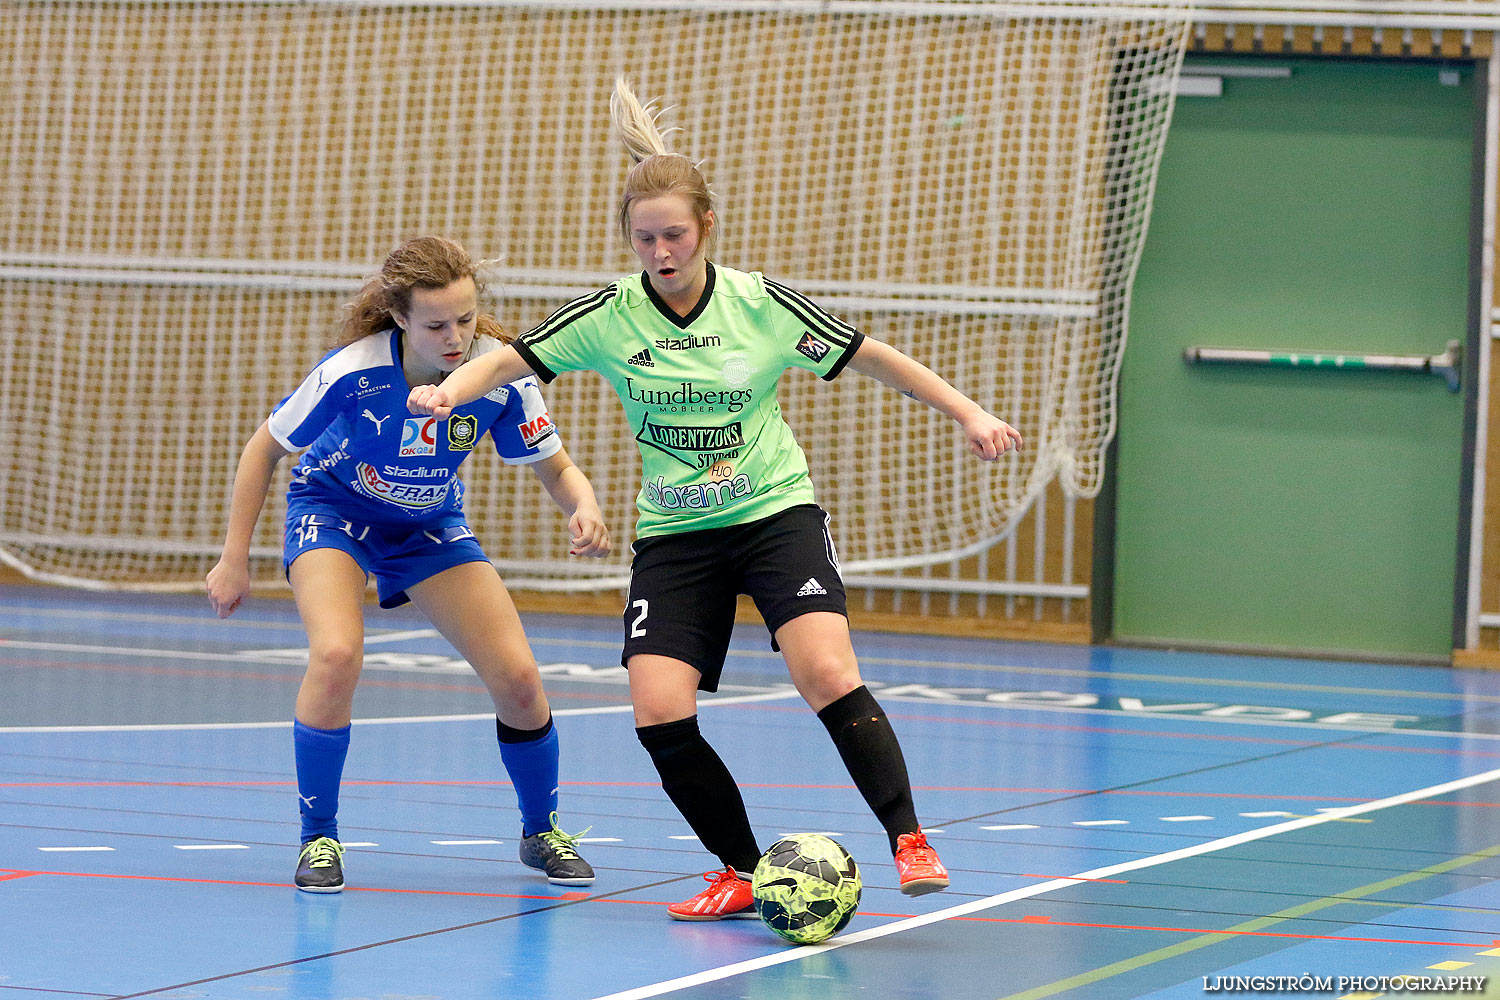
700 390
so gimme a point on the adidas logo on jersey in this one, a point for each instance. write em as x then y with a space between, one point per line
642 360
811 588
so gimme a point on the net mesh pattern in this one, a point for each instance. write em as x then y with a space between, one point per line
189 191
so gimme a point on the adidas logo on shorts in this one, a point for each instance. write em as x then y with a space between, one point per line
641 360
811 588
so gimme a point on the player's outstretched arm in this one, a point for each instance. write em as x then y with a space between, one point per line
571 490
468 382
228 583
989 437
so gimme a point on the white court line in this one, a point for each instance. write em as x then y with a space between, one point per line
864 635
782 956
270 658
212 847
465 843
70 849
780 694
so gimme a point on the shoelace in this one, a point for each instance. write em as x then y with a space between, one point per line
916 849
323 852
563 843
716 879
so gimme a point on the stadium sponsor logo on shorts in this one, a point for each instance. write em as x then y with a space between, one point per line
418 437
689 343
499 394
694 447
812 347
686 397
462 433
417 496
698 496
534 432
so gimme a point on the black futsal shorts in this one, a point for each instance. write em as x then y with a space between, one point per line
683 586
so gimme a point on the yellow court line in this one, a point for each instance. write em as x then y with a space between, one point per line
1259 923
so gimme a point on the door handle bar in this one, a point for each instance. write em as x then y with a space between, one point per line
1446 365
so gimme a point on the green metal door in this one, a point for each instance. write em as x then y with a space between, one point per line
1328 210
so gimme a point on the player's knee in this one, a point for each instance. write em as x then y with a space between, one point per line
336 665
519 692
825 678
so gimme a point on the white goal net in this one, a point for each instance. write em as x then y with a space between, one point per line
189 190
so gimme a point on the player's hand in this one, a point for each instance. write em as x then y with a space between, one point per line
590 535
989 436
433 399
228 585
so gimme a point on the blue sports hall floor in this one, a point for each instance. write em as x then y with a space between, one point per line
1118 822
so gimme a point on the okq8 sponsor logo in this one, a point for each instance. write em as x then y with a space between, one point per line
419 437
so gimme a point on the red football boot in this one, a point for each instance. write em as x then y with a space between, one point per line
918 865
727 895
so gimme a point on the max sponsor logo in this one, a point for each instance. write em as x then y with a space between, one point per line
537 430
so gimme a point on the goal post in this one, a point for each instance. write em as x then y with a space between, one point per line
190 188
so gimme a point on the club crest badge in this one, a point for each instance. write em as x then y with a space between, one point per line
462 432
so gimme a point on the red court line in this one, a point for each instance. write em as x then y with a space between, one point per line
1210 737
569 896
288 678
495 783
1032 919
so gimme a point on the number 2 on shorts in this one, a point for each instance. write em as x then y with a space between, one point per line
637 629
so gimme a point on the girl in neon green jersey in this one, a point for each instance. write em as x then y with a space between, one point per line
694 351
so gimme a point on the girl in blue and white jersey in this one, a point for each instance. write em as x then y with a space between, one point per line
376 493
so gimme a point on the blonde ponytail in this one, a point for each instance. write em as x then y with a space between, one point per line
656 171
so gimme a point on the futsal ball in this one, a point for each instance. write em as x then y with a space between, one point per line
806 887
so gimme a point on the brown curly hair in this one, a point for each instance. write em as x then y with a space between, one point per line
427 262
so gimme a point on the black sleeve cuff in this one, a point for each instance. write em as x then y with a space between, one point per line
542 371
838 365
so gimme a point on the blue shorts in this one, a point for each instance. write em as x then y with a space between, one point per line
397 556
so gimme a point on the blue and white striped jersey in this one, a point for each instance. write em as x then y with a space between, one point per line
375 462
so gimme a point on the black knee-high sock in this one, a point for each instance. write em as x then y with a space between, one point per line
703 790
868 745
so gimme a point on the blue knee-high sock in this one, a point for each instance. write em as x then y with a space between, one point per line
320 768
530 758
